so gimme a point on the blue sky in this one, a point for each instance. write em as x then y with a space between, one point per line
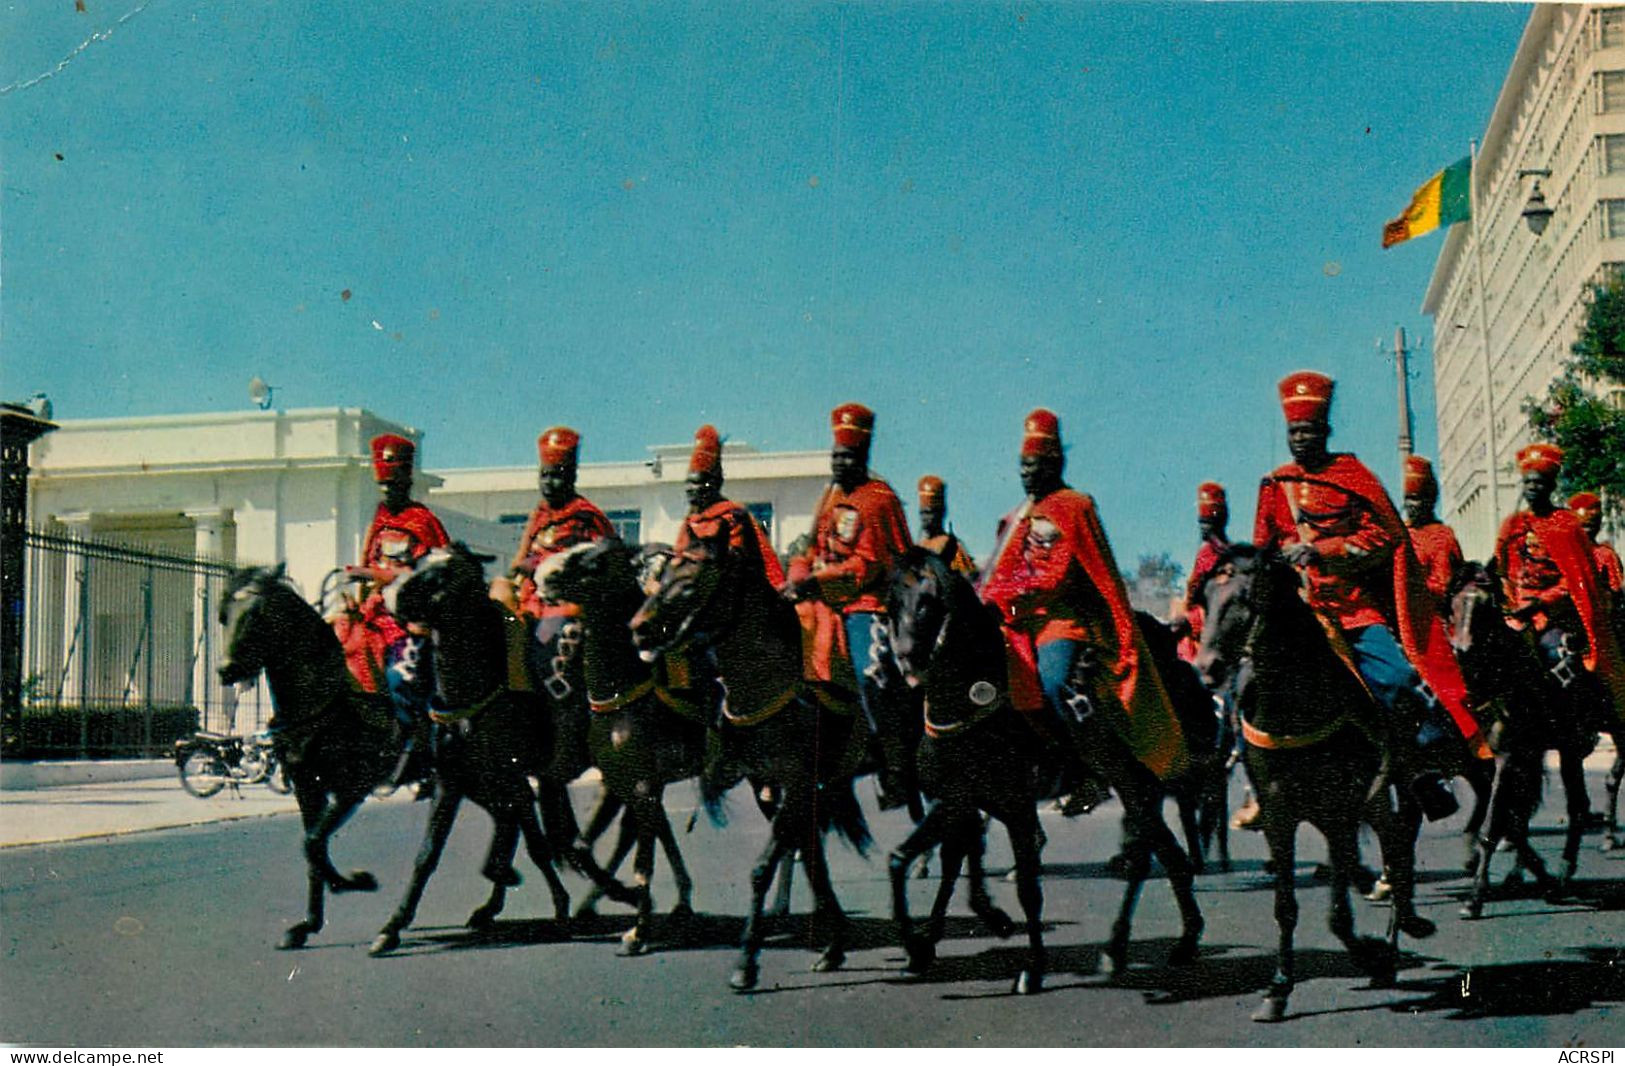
636 218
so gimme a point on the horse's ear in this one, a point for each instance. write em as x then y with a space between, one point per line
279 571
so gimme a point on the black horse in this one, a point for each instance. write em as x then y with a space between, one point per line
1311 752
1530 713
975 755
640 737
490 739
710 601
336 741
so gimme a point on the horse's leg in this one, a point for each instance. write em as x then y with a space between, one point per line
1279 834
498 868
330 820
642 811
1397 831
311 805
1114 956
1503 795
921 951
981 904
824 899
541 853
1020 820
1377 958
1480 775
625 838
951 855
1571 768
748 971
786 881
1188 800
679 869
1180 877
442 815
1616 772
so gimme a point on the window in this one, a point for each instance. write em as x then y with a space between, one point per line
1611 27
1613 153
1612 83
513 519
763 513
1613 218
628 525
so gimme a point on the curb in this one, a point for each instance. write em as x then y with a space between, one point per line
25 776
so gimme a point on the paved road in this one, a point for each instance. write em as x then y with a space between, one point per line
168 938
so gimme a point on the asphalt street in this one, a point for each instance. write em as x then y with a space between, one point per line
169 939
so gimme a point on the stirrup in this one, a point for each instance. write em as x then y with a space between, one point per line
1080 706
1563 670
557 687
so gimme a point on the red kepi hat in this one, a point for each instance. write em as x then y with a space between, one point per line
1306 395
853 425
1585 504
558 445
933 493
1418 477
1210 500
707 456
391 457
1041 433
1545 458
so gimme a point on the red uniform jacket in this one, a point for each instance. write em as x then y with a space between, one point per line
1547 560
745 536
550 531
1609 571
858 537
1054 578
1368 573
1207 557
1439 554
395 540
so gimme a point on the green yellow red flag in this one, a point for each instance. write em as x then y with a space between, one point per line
1442 201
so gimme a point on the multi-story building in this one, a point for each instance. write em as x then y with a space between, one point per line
1561 110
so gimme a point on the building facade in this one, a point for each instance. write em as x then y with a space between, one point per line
1500 340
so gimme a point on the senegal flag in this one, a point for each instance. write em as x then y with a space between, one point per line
1441 202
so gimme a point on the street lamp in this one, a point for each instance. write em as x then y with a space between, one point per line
1536 212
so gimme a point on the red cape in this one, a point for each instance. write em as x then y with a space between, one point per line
1416 619
1569 547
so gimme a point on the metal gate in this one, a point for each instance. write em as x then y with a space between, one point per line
120 650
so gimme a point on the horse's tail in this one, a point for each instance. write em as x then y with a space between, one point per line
838 809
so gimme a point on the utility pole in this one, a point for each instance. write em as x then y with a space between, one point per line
1405 423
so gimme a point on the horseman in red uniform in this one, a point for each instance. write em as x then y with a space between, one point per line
859 534
1058 589
1587 509
712 517
1212 518
1549 569
934 535
561 520
1435 544
379 651
1334 521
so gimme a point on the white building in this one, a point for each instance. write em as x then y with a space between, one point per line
296 486
1561 109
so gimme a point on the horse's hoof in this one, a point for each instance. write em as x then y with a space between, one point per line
1010 877
832 959
294 938
1513 879
683 912
1381 891
1184 953
744 977
1114 962
384 943
482 919
1028 982
505 876
1417 927
999 923
357 881
1472 910
1272 1010
921 954
1610 843
632 945
1566 874
588 908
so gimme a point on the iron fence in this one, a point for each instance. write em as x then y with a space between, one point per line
121 644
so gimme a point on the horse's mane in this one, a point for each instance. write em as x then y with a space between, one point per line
1473 572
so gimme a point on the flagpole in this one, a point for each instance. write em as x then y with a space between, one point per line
1484 333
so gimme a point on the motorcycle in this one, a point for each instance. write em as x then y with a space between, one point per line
208 762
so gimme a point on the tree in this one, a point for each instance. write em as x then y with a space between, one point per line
1156 581
1576 414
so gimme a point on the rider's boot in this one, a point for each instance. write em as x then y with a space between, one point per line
1429 748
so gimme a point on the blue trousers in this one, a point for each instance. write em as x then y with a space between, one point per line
1397 686
410 677
1055 661
870 663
